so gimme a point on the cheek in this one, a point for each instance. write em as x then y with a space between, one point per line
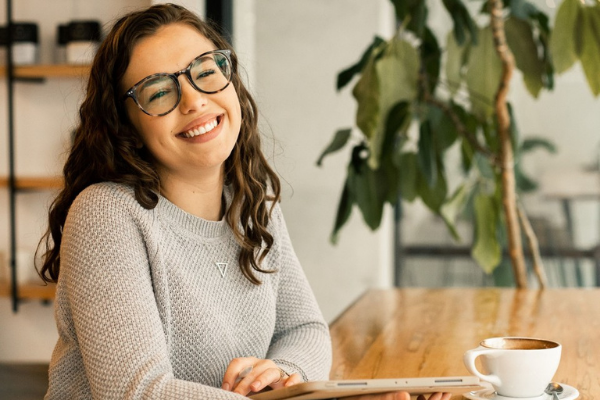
236 115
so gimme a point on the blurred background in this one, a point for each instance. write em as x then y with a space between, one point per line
291 52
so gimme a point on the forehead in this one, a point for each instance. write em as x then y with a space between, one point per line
170 49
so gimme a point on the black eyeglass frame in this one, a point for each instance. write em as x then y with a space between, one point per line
175 77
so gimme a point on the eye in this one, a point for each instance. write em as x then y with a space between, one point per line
158 94
206 73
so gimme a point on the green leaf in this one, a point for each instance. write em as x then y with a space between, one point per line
524 183
490 135
388 174
483 75
407 166
486 249
368 188
366 93
483 165
464 26
397 121
346 75
433 197
466 153
431 59
590 48
398 72
453 207
442 127
455 61
563 44
343 212
533 143
413 13
522 9
519 36
339 141
471 125
427 154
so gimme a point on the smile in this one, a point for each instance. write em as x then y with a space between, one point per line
202 129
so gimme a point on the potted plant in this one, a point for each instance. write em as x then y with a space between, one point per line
456 93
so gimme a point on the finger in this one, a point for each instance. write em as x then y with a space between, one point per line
440 396
244 385
293 379
269 377
402 396
235 367
383 396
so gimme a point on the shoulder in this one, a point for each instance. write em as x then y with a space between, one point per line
105 192
106 198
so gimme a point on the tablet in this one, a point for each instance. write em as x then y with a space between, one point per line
331 389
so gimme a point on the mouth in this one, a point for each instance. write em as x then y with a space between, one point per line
203 129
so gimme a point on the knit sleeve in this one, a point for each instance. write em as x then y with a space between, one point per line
301 342
105 287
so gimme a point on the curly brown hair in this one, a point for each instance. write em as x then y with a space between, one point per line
106 147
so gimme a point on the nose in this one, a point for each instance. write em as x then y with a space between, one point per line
191 99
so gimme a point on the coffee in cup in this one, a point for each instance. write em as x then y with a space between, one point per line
515 366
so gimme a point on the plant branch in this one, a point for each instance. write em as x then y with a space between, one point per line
509 198
534 247
460 127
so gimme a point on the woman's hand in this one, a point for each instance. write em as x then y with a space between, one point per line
400 396
249 374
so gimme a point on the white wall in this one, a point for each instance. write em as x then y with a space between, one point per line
300 48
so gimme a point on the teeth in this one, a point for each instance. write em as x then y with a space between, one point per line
201 130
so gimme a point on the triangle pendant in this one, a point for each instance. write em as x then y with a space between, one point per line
222 268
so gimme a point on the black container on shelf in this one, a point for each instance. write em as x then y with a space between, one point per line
25 39
83 31
25 32
62 38
3 36
83 39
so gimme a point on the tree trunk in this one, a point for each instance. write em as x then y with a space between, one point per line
509 196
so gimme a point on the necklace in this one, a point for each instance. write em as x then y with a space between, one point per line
222 268
219 253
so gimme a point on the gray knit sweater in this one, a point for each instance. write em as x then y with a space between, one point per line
151 304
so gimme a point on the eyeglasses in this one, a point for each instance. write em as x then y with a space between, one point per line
159 94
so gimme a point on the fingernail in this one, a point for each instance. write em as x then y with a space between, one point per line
255 386
225 386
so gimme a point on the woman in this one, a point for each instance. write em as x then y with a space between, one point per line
177 275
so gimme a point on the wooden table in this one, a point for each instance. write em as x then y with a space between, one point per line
425 332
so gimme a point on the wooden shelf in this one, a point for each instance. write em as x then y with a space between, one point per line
49 71
30 291
33 183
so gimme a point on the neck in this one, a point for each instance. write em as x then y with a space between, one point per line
199 197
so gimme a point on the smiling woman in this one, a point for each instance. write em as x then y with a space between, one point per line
167 242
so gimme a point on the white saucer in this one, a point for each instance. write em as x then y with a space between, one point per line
569 393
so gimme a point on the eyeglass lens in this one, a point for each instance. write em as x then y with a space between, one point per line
160 94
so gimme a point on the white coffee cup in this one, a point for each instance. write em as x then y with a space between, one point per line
515 366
